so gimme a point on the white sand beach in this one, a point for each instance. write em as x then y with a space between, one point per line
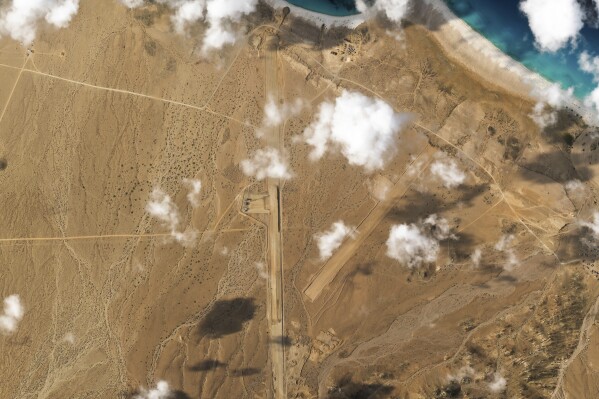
474 52
461 43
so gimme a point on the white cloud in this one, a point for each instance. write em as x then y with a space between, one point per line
410 246
13 313
417 244
19 18
193 196
379 188
554 95
275 114
330 240
395 10
261 268
574 186
219 15
498 384
186 13
266 163
464 371
593 225
505 245
554 23
162 207
551 96
542 116
476 257
589 64
592 100
364 129
162 391
448 171
132 3
69 338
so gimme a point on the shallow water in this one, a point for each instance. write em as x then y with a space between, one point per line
337 8
501 22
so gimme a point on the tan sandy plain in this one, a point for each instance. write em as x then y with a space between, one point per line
101 112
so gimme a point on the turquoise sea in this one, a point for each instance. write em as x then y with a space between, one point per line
337 8
501 22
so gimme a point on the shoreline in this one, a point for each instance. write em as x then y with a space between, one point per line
477 54
351 21
464 45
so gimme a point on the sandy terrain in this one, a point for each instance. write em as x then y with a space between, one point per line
99 114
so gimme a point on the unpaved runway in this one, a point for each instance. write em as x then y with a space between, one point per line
330 269
275 273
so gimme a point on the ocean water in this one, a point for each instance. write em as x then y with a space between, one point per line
506 27
337 8
501 22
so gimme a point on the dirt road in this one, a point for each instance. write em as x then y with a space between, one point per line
275 270
330 269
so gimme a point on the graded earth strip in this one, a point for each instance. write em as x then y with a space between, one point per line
275 309
334 265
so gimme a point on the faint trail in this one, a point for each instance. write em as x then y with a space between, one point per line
122 91
336 76
583 342
13 87
480 216
102 236
111 89
516 214
275 313
228 208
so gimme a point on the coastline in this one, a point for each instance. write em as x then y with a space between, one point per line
464 45
352 21
477 54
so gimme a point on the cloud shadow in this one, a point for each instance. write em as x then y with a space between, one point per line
284 341
207 365
244 372
578 244
347 388
227 317
419 205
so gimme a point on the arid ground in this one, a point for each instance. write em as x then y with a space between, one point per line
94 117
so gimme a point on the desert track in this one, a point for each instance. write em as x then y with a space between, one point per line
334 265
275 309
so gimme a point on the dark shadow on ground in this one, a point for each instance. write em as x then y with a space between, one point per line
207 365
346 388
296 30
508 278
561 165
284 341
179 395
227 317
578 244
420 205
566 128
364 269
460 247
134 394
245 372
452 389
556 166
